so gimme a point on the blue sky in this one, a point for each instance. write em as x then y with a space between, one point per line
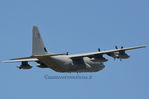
76 26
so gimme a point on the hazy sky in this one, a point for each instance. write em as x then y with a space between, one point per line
76 26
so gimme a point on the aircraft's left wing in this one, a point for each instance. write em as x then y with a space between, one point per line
103 52
31 58
25 59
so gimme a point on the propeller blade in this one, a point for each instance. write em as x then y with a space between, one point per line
116 47
98 49
114 59
67 53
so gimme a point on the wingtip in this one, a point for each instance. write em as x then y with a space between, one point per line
143 46
4 61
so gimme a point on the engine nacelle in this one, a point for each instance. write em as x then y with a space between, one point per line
121 55
100 59
124 56
24 65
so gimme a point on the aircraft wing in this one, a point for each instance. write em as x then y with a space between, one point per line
31 58
28 59
103 52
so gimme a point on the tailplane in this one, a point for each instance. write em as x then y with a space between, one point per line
38 47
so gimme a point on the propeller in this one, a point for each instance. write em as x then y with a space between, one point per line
119 52
116 47
114 59
67 53
98 49
118 58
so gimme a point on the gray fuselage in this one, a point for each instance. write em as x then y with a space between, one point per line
64 63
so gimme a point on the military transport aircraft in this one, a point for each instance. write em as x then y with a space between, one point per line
87 62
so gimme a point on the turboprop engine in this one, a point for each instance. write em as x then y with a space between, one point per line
98 58
24 65
120 54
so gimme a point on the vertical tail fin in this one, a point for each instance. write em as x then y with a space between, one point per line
38 47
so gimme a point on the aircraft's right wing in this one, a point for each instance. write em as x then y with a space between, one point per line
103 52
